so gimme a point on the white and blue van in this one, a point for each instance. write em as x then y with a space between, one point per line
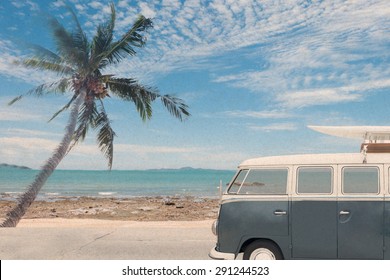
318 206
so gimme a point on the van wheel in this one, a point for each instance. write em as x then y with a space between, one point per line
262 250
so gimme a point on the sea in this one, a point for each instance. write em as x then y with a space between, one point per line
116 183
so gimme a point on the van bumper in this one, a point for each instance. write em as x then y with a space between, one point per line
216 255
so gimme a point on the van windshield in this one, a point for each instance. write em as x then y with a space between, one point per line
260 181
235 186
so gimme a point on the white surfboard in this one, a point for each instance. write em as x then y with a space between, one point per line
367 133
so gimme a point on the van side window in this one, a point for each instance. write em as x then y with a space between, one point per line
265 181
315 180
360 180
238 181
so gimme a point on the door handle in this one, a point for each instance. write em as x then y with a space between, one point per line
344 212
280 212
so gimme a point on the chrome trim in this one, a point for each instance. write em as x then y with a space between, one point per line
242 183
280 212
214 227
262 254
214 254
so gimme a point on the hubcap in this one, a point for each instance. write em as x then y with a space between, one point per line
262 254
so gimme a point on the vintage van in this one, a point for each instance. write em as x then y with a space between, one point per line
319 206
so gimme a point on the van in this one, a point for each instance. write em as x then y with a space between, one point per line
317 206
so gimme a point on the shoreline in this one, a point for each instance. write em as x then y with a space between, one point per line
156 208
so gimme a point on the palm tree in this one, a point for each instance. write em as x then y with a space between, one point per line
80 64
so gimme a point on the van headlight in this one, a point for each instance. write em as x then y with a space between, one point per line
214 227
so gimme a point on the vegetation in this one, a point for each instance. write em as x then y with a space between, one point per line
80 64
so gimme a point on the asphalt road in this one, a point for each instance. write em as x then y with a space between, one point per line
141 242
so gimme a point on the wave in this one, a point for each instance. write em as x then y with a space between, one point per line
11 193
52 193
12 196
106 193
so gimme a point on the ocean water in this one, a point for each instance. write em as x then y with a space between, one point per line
76 183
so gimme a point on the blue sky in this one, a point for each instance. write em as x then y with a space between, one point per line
254 73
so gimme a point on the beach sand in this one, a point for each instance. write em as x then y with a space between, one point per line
116 209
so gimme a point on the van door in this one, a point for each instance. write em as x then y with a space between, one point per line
360 214
266 207
257 206
314 208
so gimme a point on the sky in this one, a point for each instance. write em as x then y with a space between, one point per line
255 74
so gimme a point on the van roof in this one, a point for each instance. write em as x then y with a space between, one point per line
317 159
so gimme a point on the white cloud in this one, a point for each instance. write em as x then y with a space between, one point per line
146 10
21 144
140 149
8 68
96 5
144 156
272 114
274 127
29 133
81 8
350 93
30 110
58 4
25 151
315 97
306 47
15 116
8 113
21 4
122 4
33 6
30 151
17 4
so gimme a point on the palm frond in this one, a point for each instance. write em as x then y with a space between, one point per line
102 41
142 97
60 86
16 99
66 107
106 134
80 40
45 54
130 90
42 64
87 114
63 39
70 46
175 106
105 78
133 38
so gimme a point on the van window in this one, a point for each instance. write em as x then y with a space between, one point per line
360 180
315 180
265 181
238 181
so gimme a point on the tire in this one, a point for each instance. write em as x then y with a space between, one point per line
262 250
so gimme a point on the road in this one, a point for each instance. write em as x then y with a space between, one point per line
108 241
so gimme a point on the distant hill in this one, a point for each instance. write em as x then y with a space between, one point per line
13 166
182 168
174 169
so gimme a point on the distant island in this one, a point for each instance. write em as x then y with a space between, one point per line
13 166
174 169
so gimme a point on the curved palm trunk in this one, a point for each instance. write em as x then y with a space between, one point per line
25 200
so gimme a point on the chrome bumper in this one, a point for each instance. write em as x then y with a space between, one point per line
214 254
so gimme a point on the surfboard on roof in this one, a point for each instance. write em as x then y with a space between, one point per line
367 133
376 139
